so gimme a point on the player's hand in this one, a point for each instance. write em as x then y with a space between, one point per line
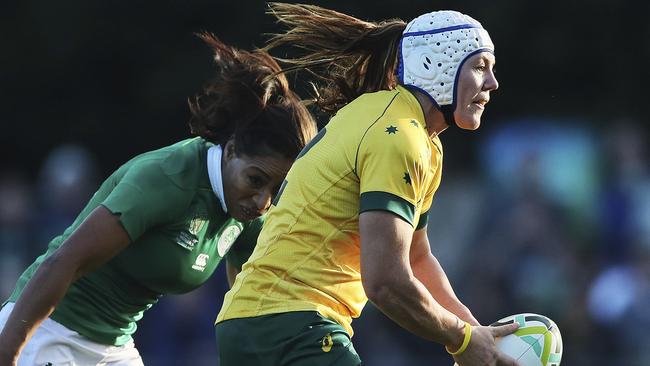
482 350
6 360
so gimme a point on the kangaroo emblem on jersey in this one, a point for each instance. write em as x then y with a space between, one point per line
227 238
201 262
327 343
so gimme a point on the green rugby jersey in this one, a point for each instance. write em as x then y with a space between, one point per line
179 235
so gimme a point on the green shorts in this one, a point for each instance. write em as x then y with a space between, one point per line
302 338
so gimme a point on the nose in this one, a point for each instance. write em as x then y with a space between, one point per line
263 200
491 82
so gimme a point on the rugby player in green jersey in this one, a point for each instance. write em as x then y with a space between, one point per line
162 222
350 222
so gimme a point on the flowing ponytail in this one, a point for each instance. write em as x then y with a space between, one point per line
248 100
350 56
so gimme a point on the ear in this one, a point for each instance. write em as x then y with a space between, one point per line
229 150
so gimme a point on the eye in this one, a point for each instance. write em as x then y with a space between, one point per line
255 181
480 68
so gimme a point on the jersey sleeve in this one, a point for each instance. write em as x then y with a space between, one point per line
391 166
436 159
245 243
145 197
422 222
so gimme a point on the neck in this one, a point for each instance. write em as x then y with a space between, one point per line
434 119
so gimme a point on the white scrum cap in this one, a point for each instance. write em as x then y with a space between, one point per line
433 49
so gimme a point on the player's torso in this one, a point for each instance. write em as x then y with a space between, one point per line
181 255
308 253
174 257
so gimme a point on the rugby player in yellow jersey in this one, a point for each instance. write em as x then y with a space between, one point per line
349 223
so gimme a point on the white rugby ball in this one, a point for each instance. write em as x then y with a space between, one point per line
537 342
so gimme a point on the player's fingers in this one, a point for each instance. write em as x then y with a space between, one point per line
504 330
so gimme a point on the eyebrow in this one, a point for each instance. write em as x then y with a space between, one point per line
488 59
261 172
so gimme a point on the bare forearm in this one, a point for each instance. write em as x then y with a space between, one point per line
407 302
39 298
429 271
389 281
99 238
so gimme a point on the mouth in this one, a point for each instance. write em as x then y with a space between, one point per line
250 214
480 103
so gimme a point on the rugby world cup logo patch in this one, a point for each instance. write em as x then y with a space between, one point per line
189 238
196 225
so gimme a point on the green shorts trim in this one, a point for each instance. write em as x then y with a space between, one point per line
302 338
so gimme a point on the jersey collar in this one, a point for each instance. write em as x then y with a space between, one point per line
214 172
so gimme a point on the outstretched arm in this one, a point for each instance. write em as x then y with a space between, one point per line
428 270
392 286
99 238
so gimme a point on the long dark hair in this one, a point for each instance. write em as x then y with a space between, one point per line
250 102
357 56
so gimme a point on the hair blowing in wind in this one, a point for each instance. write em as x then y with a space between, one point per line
348 56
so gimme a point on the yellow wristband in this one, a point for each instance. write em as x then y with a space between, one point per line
463 347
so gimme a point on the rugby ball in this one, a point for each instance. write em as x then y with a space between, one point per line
537 342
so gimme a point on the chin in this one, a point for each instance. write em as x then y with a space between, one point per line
469 125
235 213
241 216
469 122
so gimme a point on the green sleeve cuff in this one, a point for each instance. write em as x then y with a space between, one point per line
384 201
424 219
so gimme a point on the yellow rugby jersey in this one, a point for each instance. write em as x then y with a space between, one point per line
374 154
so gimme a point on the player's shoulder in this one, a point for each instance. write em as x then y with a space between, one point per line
371 107
184 156
182 163
396 133
400 112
